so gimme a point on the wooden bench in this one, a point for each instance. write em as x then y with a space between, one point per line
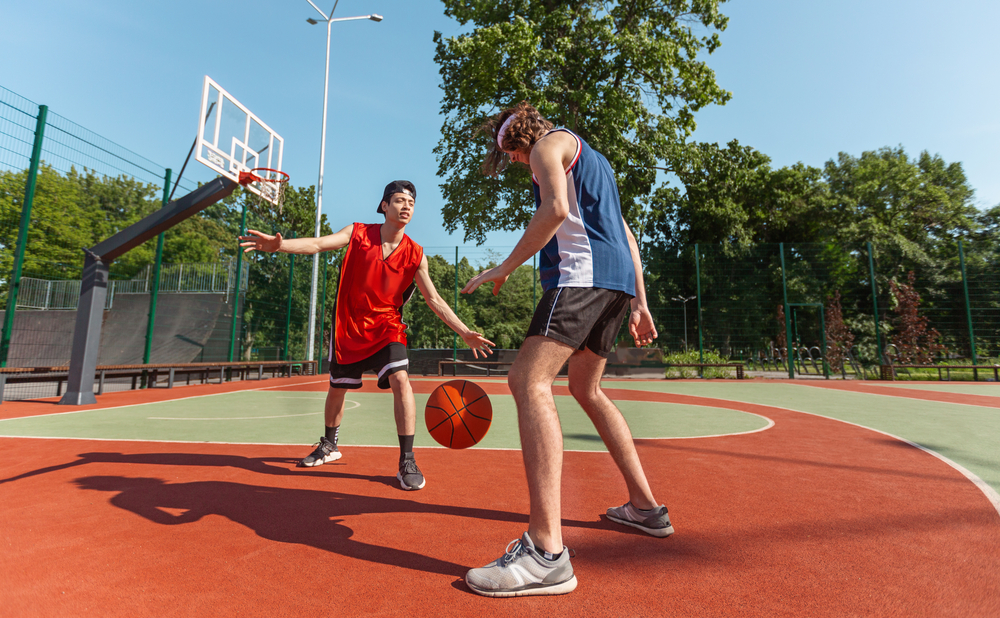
147 376
454 363
888 372
488 364
664 366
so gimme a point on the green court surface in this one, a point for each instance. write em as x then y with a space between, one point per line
966 434
288 417
986 390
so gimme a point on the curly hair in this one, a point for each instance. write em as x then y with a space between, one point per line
527 128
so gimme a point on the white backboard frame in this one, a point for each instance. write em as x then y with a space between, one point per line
232 139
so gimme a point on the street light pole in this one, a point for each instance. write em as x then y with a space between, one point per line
684 303
311 333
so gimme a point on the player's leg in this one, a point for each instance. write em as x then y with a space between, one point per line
585 371
405 410
538 362
537 563
586 367
342 378
326 449
392 365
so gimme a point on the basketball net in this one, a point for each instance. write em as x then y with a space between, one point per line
270 185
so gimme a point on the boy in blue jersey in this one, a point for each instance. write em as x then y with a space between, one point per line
592 278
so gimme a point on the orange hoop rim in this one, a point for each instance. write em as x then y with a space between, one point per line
251 176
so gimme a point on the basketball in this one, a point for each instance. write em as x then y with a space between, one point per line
458 414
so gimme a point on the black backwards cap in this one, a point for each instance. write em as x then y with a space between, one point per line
396 186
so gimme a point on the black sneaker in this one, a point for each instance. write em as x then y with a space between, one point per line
409 474
325 452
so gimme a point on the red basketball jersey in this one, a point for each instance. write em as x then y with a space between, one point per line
372 292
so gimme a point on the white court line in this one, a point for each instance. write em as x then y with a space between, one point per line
151 403
248 418
990 493
898 397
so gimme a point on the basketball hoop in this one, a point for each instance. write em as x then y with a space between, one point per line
270 188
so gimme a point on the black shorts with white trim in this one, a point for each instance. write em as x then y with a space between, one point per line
581 317
385 362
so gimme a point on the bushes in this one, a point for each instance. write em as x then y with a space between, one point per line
692 356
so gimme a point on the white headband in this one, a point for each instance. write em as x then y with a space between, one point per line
503 130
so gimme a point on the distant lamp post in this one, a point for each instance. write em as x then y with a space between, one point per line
684 300
311 335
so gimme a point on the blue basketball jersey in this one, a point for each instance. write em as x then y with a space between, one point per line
590 249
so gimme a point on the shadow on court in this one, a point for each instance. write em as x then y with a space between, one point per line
303 517
259 465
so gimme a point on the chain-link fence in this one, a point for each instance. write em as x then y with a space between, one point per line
783 309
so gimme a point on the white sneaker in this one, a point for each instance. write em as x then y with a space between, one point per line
522 571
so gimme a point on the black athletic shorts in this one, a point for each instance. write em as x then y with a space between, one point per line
385 362
581 317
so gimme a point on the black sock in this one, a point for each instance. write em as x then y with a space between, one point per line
405 446
550 556
332 433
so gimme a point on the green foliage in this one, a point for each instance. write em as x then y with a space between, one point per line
266 316
503 319
625 76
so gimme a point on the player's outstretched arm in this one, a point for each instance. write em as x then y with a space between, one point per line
640 321
476 341
259 241
548 165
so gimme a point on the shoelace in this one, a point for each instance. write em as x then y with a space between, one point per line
510 554
410 467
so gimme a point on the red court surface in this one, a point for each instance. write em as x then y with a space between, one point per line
812 517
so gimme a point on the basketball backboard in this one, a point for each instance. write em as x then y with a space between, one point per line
232 139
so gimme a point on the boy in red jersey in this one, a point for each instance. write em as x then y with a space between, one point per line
377 278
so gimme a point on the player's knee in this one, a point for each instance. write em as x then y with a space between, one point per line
584 392
399 379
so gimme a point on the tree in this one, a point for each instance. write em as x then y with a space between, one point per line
626 76
914 210
914 338
838 336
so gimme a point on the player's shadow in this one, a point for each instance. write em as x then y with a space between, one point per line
299 516
261 465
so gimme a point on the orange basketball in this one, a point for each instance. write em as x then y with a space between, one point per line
458 414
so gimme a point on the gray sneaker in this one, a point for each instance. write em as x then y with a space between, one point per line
522 571
325 452
654 521
409 475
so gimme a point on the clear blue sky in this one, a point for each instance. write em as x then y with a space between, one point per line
809 80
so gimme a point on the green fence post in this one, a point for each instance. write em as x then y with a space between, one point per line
701 341
968 311
878 336
288 312
22 233
454 339
822 325
236 294
788 323
322 314
155 291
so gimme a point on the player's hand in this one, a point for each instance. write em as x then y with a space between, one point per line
640 326
478 343
260 241
496 275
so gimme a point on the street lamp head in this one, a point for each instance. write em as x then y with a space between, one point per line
311 21
374 17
